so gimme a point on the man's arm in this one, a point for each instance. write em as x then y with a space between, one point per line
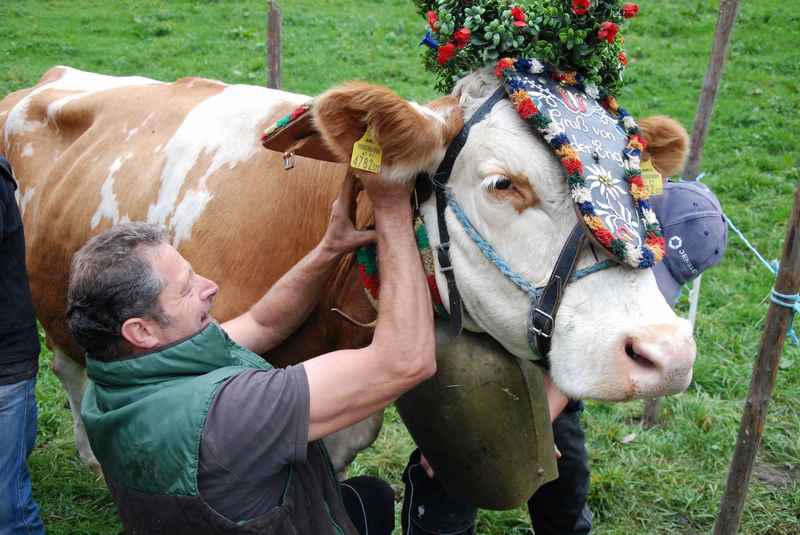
290 300
347 386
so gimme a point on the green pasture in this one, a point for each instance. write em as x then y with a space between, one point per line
667 480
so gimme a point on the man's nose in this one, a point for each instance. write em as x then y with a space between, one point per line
210 288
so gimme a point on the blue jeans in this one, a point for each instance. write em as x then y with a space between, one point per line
19 513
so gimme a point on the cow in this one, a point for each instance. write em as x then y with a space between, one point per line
91 150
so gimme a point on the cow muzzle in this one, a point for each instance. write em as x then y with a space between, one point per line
659 359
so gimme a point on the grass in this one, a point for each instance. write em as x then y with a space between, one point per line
669 479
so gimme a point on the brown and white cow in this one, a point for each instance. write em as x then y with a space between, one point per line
90 151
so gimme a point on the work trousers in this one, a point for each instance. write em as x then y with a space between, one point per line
556 508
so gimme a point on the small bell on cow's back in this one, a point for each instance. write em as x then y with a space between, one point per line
482 421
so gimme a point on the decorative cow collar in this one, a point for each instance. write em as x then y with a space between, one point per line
367 262
600 154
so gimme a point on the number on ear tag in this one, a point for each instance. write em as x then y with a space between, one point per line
652 178
366 154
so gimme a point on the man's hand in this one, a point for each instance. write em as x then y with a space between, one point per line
385 193
341 235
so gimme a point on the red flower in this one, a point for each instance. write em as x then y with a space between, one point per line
433 20
527 108
503 64
580 7
608 31
446 52
623 58
629 10
519 16
462 37
572 166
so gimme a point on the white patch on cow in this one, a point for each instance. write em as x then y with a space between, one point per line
23 198
84 83
27 150
428 112
109 207
88 84
226 127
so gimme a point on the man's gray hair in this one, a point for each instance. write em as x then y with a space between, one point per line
111 281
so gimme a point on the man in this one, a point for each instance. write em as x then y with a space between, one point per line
696 232
19 362
194 431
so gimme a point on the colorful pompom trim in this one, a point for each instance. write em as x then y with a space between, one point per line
652 250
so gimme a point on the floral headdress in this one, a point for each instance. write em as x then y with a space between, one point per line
572 35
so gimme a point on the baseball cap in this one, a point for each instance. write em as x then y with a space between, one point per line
695 232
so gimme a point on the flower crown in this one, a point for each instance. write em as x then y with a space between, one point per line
572 35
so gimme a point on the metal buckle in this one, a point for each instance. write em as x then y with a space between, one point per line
548 325
288 160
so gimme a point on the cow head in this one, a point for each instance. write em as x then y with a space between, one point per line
615 336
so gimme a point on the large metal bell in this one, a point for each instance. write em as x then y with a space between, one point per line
482 421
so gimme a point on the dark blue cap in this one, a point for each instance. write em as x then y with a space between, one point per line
695 232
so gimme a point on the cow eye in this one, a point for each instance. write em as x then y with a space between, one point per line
503 183
494 182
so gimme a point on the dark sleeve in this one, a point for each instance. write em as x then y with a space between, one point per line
258 422
4 190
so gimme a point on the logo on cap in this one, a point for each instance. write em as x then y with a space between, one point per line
675 242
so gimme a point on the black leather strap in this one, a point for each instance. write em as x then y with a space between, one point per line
541 316
440 180
446 167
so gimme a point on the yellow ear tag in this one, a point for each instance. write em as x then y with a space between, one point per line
366 154
652 178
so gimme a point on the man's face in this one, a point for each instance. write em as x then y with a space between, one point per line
186 298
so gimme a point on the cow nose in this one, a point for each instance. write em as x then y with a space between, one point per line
660 358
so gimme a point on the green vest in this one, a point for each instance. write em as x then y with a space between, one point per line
145 416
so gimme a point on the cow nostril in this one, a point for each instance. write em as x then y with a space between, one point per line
638 358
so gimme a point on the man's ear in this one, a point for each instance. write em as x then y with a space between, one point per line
412 137
140 333
667 143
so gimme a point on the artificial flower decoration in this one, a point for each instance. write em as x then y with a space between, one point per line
580 7
580 37
630 10
608 31
446 53
429 41
519 16
433 20
461 37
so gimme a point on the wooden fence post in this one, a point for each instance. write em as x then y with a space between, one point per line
728 10
273 45
765 370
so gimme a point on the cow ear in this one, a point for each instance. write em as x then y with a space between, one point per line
413 138
667 143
